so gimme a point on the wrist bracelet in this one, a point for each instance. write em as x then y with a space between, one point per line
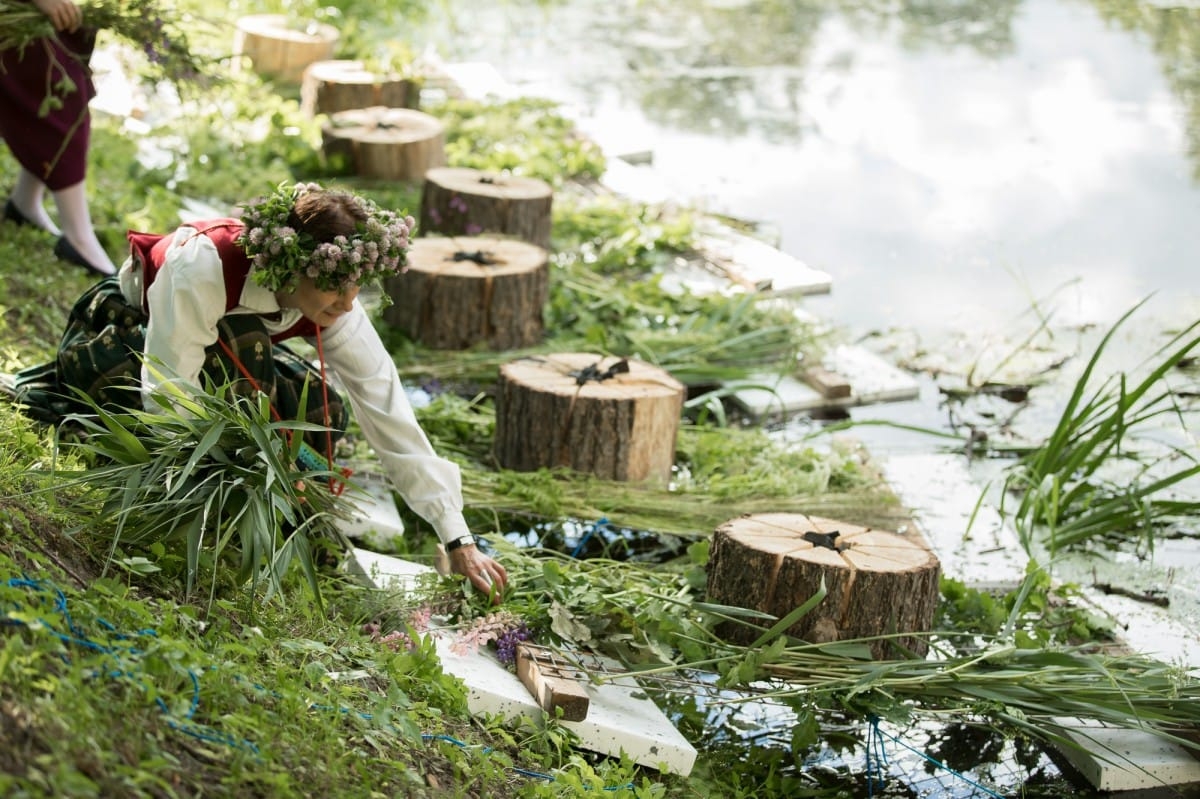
460 542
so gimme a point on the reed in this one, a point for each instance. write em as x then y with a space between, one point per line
211 475
1068 493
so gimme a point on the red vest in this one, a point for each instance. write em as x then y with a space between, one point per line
149 252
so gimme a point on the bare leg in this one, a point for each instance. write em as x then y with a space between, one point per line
77 228
27 196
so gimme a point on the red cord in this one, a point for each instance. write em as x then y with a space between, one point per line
336 487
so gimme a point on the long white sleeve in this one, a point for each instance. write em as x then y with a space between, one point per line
431 485
187 299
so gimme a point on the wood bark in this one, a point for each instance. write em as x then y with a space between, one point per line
878 582
459 292
385 143
281 49
340 85
550 413
458 202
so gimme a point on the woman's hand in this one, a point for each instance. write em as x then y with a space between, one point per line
64 15
484 573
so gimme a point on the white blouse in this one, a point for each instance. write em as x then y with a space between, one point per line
186 301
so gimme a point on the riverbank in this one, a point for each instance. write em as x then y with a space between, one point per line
1151 601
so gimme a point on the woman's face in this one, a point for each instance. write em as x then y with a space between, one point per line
320 307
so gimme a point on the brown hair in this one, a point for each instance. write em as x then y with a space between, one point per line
325 215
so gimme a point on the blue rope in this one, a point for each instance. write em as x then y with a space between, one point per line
78 638
186 725
599 524
875 751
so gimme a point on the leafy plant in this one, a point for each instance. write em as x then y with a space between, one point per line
525 137
1066 487
213 474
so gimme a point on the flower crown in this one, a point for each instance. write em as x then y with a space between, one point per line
279 254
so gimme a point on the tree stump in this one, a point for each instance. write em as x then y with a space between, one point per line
332 86
281 48
878 582
458 202
386 143
613 417
461 291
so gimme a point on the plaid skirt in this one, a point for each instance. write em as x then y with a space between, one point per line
101 351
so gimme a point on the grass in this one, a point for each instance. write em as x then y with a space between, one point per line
120 677
1070 490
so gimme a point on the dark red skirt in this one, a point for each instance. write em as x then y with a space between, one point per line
53 147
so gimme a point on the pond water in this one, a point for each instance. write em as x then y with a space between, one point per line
963 170
947 162
952 165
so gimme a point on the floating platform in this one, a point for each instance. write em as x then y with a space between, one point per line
621 718
871 380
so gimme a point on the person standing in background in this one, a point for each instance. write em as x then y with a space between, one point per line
50 136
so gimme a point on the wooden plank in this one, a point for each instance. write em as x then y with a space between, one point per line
828 383
871 379
549 685
755 264
1117 759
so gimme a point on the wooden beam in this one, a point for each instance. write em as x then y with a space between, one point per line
549 684
828 384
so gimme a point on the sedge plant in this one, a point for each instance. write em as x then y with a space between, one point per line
1062 485
210 478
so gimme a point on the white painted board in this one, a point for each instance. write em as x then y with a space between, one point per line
758 263
1114 759
621 717
376 519
872 379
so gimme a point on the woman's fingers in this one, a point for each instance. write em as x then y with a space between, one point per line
64 15
484 573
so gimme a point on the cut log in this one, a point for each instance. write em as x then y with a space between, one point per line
879 583
457 202
281 48
552 682
385 143
613 417
339 85
459 292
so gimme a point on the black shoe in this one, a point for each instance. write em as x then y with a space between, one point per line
65 251
14 215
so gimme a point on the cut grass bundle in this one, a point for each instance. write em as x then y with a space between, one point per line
213 473
1061 484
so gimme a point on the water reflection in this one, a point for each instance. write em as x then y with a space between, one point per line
947 162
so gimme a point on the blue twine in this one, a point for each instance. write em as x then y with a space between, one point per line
599 524
876 752
78 638
186 725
